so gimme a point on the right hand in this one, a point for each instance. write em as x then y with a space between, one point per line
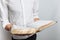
8 27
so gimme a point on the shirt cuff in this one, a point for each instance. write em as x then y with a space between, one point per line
36 16
4 23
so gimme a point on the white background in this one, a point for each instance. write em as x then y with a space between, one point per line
49 10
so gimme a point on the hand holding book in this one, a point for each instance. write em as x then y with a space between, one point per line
33 27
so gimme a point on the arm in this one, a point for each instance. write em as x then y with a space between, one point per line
4 15
36 10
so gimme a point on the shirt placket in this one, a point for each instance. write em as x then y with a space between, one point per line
23 13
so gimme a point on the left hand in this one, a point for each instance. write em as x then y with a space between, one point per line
36 19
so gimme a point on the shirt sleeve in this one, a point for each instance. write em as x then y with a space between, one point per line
4 13
36 9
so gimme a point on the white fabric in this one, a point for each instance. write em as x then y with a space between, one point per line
25 10
40 23
18 12
21 37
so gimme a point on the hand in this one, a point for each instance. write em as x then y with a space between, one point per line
36 19
8 27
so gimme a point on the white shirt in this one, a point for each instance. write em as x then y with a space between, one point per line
19 12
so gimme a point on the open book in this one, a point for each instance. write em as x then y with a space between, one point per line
34 27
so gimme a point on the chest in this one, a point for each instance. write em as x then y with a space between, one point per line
23 2
18 4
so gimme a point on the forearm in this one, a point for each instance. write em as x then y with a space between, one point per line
36 9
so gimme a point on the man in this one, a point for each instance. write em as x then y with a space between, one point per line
19 12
